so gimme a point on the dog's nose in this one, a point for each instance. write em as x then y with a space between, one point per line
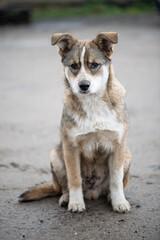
84 85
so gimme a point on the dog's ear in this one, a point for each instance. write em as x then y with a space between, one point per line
65 41
105 41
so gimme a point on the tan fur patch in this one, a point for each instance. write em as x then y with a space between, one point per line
72 162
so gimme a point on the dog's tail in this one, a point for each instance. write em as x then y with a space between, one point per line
40 191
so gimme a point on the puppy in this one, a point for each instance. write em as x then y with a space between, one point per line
92 158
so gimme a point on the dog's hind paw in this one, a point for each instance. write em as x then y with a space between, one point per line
64 199
122 207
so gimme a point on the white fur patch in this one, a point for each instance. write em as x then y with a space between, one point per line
116 184
118 199
98 117
82 58
76 201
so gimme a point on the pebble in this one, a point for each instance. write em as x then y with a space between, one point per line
138 206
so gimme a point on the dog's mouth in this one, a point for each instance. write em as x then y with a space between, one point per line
84 92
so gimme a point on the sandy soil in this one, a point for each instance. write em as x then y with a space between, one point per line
31 89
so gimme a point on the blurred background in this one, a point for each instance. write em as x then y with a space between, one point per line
25 11
31 91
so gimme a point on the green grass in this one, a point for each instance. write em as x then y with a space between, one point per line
88 9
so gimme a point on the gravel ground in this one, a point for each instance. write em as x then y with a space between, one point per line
31 89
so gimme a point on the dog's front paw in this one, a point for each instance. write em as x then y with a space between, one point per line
121 207
76 201
76 207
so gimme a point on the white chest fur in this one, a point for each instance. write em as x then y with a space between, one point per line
98 117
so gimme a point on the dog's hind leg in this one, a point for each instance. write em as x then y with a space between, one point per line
59 174
49 189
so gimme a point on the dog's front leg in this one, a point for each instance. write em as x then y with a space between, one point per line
72 162
116 160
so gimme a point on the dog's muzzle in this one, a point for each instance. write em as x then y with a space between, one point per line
84 86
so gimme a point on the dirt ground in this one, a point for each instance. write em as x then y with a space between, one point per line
31 89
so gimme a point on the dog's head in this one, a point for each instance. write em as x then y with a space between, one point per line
86 63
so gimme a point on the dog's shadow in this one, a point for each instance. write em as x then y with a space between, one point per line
100 205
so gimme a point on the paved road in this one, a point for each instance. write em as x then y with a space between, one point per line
31 89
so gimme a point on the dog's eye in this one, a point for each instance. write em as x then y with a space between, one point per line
94 65
74 66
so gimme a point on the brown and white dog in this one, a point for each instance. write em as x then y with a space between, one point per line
92 158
